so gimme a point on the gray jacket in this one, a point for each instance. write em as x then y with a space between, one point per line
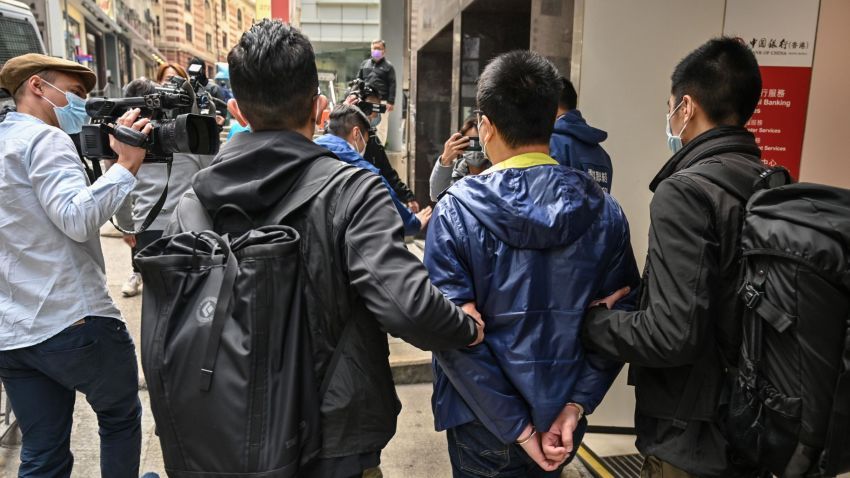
151 180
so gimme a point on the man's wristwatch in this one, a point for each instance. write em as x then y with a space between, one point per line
579 407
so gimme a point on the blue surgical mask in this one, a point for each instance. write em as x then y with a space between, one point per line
675 142
374 122
72 116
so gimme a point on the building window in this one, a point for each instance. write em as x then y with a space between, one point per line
188 32
224 8
239 18
188 4
224 43
209 42
156 28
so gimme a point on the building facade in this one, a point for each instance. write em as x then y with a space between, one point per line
115 38
341 32
206 29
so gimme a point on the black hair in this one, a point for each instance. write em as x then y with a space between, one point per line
344 118
518 91
723 77
569 97
273 75
139 87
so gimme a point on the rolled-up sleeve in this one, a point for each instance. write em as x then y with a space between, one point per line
61 186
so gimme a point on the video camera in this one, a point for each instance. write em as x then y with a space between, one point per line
175 128
359 88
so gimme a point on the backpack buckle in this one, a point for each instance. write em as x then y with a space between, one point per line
749 294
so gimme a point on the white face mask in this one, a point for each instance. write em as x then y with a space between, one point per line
361 152
674 142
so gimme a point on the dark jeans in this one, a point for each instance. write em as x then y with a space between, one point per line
96 358
475 452
143 240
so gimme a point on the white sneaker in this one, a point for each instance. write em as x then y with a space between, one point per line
133 285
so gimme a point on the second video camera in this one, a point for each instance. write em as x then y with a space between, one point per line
175 128
359 88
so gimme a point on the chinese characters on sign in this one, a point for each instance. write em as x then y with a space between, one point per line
781 33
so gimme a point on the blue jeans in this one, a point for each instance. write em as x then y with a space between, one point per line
475 452
97 358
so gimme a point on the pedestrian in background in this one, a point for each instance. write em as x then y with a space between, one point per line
576 144
457 159
152 179
379 73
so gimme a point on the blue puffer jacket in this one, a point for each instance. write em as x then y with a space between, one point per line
345 152
574 143
532 247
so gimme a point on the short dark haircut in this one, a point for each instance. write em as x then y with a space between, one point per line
344 118
519 92
569 97
273 75
723 77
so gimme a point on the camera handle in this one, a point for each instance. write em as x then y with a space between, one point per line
127 135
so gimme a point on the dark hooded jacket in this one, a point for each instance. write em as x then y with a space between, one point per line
357 271
532 247
576 144
686 331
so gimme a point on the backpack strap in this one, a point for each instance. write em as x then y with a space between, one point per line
223 306
836 458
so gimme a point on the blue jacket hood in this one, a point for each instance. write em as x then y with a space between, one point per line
345 152
532 208
573 124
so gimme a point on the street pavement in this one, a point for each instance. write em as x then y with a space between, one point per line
416 451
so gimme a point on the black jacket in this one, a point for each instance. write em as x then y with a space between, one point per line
357 270
380 76
377 155
687 325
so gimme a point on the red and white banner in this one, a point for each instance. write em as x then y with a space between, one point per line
782 35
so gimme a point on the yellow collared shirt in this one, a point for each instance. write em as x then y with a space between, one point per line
526 160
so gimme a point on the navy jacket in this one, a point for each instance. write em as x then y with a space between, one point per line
574 143
532 247
345 152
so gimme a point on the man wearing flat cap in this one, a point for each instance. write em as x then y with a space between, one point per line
60 332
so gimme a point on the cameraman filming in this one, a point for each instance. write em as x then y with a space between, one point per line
152 179
60 332
366 98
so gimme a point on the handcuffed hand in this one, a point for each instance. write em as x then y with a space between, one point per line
557 444
130 157
530 442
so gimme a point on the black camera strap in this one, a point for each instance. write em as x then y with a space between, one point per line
155 210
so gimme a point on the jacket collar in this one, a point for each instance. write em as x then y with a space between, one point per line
521 161
719 140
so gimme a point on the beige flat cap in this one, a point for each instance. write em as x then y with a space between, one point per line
20 68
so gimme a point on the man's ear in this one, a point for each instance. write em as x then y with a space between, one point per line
233 109
491 128
689 107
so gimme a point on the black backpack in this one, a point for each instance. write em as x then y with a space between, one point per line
226 348
789 397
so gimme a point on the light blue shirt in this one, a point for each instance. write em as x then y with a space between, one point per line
51 265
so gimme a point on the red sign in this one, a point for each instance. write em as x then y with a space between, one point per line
780 117
280 9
